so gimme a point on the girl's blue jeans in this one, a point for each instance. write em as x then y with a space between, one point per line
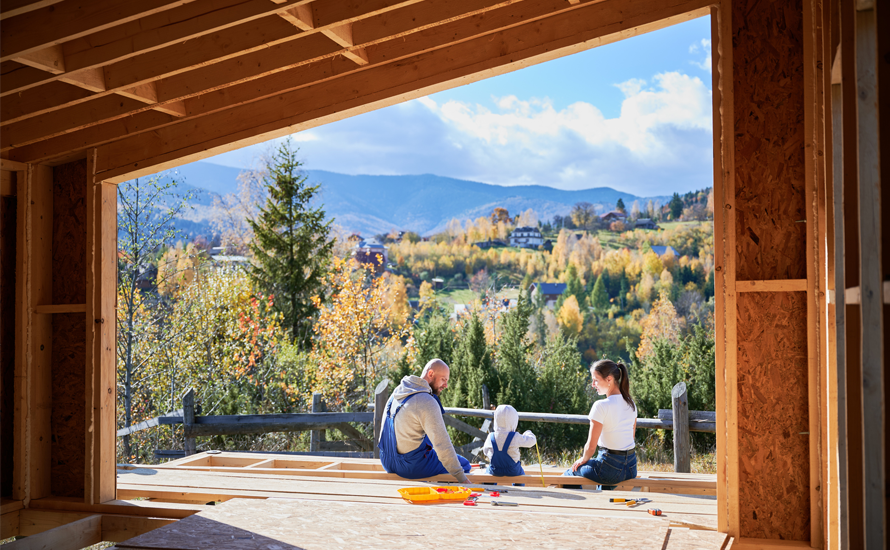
607 469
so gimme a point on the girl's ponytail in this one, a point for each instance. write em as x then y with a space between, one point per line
618 372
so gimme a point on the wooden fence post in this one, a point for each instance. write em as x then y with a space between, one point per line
486 401
316 436
381 396
188 419
680 405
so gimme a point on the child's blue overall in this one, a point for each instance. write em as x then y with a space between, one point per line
502 464
420 463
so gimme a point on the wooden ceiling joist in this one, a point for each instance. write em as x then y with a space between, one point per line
207 78
75 131
39 29
158 31
371 88
12 8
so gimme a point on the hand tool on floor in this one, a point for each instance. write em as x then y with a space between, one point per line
655 511
502 503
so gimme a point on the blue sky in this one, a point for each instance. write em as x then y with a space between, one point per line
634 115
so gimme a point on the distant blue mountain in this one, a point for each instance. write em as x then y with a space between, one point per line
422 203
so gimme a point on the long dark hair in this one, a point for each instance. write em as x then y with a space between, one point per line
618 372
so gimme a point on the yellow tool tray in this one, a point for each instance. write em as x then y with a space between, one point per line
418 495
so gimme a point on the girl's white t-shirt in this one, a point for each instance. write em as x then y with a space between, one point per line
617 418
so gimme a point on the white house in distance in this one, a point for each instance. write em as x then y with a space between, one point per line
551 292
526 237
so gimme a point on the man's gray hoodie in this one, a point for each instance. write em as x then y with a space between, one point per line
422 415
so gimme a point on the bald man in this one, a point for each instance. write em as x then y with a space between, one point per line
414 442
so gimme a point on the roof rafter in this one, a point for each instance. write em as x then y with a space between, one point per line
373 87
58 23
231 44
27 118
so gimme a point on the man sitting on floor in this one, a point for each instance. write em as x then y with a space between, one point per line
414 442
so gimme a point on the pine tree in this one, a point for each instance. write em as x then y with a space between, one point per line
600 298
292 245
516 374
472 365
561 389
620 207
676 206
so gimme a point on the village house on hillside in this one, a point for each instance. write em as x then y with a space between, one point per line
370 251
551 292
613 216
526 237
645 223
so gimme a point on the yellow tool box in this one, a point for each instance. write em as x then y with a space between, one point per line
428 495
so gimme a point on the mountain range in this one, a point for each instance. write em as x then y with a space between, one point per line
377 204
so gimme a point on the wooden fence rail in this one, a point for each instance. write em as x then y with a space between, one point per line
317 421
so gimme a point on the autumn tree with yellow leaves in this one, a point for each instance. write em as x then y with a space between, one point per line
356 339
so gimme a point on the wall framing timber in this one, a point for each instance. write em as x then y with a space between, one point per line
131 88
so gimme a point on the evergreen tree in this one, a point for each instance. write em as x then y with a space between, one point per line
561 389
472 366
292 245
600 298
709 286
622 293
676 206
515 372
620 207
434 340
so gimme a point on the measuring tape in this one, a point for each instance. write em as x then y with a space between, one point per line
540 464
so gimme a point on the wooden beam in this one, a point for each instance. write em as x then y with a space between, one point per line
815 279
7 183
13 166
871 276
787 285
266 61
9 523
89 79
51 60
72 536
174 26
33 346
725 271
517 47
12 8
140 508
101 348
51 25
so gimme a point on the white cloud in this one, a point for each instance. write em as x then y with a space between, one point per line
704 46
658 143
663 127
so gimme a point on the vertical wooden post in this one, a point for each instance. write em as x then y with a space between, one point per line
837 151
188 419
316 436
870 276
486 401
381 396
680 406
33 337
101 346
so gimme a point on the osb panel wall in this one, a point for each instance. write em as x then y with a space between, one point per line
774 473
69 330
7 339
769 139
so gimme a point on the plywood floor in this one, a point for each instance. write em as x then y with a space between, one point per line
264 510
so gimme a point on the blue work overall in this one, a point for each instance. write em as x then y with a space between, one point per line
502 464
420 463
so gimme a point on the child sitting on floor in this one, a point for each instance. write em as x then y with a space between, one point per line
502 445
